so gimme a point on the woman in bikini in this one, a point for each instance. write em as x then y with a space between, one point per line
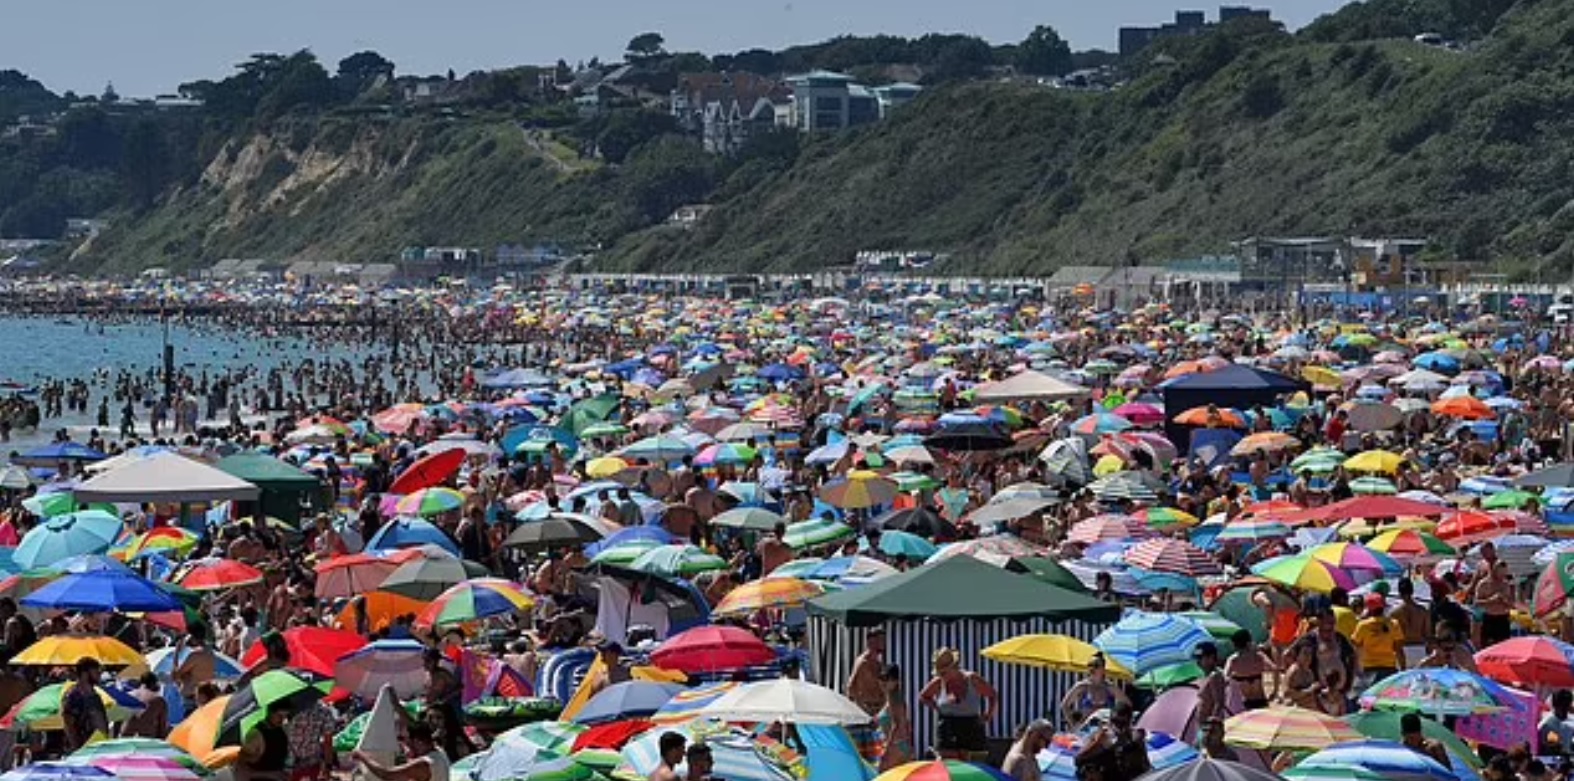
1091 694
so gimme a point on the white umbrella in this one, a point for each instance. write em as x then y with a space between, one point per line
786 700
15 478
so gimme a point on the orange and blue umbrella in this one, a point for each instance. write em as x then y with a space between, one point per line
687 704
1100 423
475 600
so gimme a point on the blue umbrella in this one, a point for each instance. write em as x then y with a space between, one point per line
50 455
1442 363
63 536
162 662
409 533
1393 761
632 535
779 372
1164 581
103 591
1146 641
628 700
902 544
832 756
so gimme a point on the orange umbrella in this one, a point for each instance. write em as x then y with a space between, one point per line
1211 417
382 609
1466 407
197 734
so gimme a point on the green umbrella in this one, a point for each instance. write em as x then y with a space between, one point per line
556 737
348 738
815 532
1214 624
624 554
603 429
1318 461
1047 570
908 482
589 412
1509 500
669 560
1236 606
51 505
249 706
1384 725
40 712
1170 676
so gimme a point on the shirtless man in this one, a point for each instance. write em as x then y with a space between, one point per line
863 685
774 550
1415 621
1495 596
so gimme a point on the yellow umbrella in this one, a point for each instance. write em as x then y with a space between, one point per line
62 650
1375 461
1108 465
1051 652
603 468
1322 375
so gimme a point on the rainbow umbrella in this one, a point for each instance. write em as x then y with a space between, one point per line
144 768
860 489
165 539
772 592
40 711
1166 517
475 600
1304 572
1099 424
726 453
1357 558
942 770
1410 544
1284 727
430 501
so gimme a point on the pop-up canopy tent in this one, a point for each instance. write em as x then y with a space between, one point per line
1028 386
962 603
282 485
1234 386
166 478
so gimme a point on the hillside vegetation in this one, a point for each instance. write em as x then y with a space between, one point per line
1347 126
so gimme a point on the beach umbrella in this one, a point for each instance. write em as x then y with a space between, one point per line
606 467
56 771
1532 660
163 662
197 735
1210 770
1059 653
942 770
1437 692
1170 676
1375 461
1100 423
103 591
1166 517
624 553
646 536
1464 407
726 453
551 737
684 707
554 530
427 472
66 650
1210 417
1143 641
677 560
1248 529
64 536
771 592
630 699
1283 727
1510 500
1304 572
425 578
659 449
860 489
1558 476
1390 760
996 549
708 649
1172 556
817 531
427 502
1386 725
1318 461
314 649
410 533
396 663
41 710
1216 625
838 569
1410 544
748 518
1372 486
144 768
135 748
1122 488
1356 558
474 600
1107 527
787 700
248 706
1264 441
356 573
902 545
1554 585
164 539
922 521
1468 526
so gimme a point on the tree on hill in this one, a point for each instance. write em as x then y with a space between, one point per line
362 69
21 95
645 46
1044 53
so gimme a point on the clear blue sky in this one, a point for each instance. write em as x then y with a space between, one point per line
149 46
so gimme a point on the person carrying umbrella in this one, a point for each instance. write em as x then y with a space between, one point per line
427 762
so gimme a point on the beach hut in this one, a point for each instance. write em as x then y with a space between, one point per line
281 484
962 603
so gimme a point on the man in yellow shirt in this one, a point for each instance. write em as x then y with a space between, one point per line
1379 641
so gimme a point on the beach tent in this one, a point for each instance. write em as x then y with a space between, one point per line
282 485
957 602
1234 386
1028 386
166 478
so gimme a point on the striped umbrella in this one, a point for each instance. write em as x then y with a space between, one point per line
1143 641
1387 759
1107 527
997 549
686 705
659 449
1119 487
1410 545
1174 556
770 592
1318 461
473 600
1304 572
430 501
860 489
726 453
553 737
144 768
738 756
1282 727
1100 423
817 531
626 552
1250 529
1373 486
685 560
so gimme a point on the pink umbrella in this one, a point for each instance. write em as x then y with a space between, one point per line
1173 713
1140 413
1174 556
1107 527
136 768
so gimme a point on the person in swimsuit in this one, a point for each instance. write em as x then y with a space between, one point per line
965 703
1246 668
895 722
1091 694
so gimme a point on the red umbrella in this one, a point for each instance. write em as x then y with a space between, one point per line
711 648
1366 507
428 472
1174 556
217 574
312 648
1469 526
612 735
1532 660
